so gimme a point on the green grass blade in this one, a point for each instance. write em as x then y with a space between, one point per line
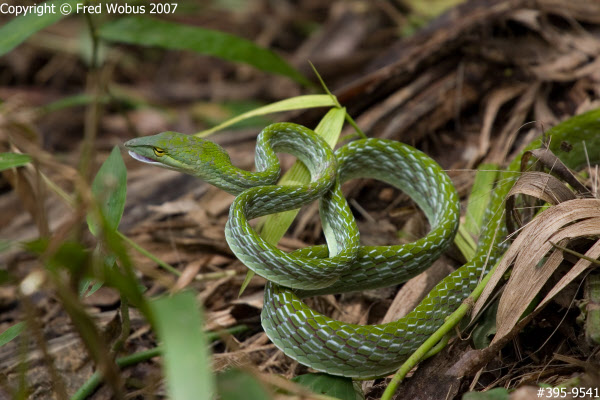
294 103
13 160
17 30
479 199
186 361
11 333
81 99
110 190
480 196
465 243
169 35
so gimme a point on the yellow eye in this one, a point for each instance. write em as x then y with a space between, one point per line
158 152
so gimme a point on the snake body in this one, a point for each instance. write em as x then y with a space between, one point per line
311 338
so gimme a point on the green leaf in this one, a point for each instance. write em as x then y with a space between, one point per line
235 384
110 190
5 277
329 385
480 196
12 333
295 103
13 160
465 243
75 100
486 327
493 394
152 32
212 114
479 199
186 361
69 254
17 30
88 286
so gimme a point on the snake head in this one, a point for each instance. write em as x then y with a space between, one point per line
180 152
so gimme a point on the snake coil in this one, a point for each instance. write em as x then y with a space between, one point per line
343 265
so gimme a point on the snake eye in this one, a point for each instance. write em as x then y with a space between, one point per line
158 151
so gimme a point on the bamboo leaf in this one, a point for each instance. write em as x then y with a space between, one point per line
294 103
169 35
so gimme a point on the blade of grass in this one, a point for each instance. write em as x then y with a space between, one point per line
186 361
13 160
478 200
17 30
169 35
480 196
294 103
11 333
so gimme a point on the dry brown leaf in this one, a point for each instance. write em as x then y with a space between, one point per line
189 273
548 159
527 279
516 120
493 103
254 300
529 247
578 268
169 208
536 184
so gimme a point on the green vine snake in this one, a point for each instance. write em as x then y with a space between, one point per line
327 345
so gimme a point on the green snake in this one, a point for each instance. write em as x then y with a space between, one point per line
335 347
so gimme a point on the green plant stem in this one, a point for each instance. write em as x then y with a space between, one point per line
67 198
574 253
151 256
347 116
353 123
125 326
94 381
452 320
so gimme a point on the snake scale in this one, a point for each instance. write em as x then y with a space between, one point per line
343 265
